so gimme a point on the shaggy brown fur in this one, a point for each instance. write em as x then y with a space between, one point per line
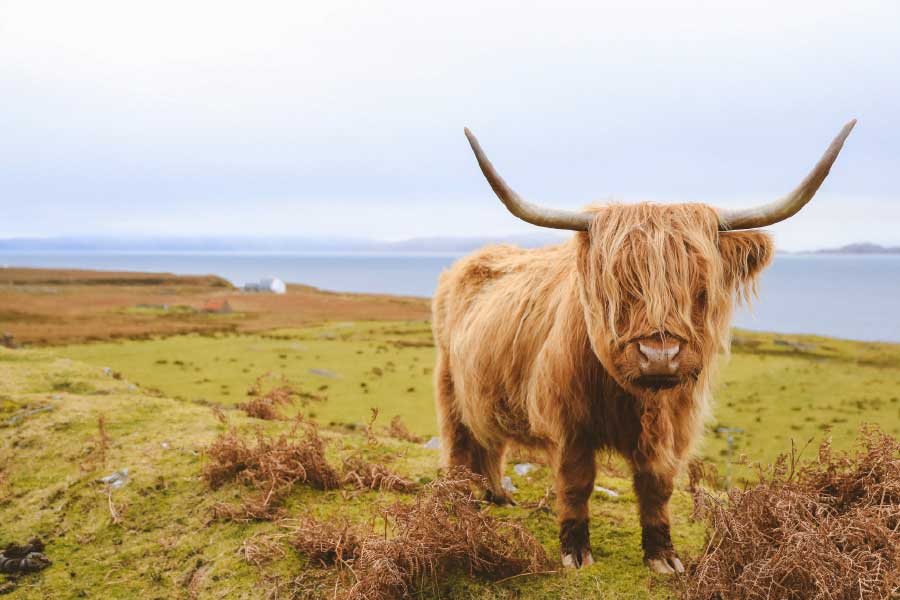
538 347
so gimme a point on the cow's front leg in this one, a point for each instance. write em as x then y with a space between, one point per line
575 472
653 491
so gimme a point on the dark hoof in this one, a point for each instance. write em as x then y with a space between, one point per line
500 499
575 544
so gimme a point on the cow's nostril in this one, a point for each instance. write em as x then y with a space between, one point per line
664 354
658 359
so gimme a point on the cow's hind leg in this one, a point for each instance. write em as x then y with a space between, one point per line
459 446
653 492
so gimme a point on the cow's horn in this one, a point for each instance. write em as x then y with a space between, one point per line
532 213
787 206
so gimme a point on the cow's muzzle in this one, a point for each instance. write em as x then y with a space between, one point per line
658 361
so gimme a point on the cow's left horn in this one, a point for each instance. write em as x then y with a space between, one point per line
786 207
532 213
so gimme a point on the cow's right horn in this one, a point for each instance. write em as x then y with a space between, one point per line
786 206
531 213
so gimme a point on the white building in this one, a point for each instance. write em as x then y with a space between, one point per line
271 285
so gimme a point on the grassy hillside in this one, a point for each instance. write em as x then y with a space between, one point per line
158 386
154 537
55 306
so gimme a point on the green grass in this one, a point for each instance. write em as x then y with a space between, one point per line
363 365
158 422
52 460
776 393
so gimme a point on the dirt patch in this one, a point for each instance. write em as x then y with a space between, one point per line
57 306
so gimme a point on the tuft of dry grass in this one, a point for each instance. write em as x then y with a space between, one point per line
441 530
261 549
701 472
272 466
372 476
397 429
824 530
328 542
102 439
265 404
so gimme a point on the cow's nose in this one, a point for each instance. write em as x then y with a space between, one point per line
658 357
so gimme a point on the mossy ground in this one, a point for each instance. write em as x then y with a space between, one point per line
158 421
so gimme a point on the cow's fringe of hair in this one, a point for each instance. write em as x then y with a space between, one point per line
634 254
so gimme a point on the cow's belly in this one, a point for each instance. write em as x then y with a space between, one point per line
493 414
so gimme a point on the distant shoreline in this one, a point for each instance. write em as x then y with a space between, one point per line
857 249
446 246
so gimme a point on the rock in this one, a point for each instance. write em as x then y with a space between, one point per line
507 484
16 418
116 480
433 444
324 373
523 469
607 491
23 559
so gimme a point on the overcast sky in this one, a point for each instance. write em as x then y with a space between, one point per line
346 118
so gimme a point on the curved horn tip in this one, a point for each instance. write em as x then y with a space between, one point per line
848 127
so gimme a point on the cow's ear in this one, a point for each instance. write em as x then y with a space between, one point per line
745 254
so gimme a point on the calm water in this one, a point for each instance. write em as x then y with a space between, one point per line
856 297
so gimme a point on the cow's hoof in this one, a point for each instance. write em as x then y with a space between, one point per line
665 565
499 498
578 560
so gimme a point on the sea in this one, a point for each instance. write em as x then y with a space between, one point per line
846 296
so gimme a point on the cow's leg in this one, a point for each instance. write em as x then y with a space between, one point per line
459 446
489 462
456 439
653 491
575 473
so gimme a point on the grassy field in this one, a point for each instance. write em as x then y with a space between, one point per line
164 545
777 389
157 397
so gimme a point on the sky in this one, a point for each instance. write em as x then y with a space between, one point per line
346 118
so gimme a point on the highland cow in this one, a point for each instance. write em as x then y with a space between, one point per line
606 341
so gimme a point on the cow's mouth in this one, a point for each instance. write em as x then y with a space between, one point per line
658 382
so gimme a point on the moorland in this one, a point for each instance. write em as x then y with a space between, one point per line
112 371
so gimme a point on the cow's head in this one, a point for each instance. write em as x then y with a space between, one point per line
658 282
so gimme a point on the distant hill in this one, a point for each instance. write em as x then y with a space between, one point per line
271 244
451 245
861 248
